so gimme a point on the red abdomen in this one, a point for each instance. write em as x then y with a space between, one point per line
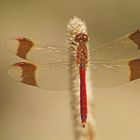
83 97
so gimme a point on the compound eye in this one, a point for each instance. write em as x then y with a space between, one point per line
85 37
81 37
77 38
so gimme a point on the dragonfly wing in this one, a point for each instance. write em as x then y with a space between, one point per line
111 74
52 76
38 52
124 47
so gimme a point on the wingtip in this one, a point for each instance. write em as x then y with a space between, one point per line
12 45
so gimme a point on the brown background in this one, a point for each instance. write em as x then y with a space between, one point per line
29 113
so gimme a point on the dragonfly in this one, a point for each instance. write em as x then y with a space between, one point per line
49 66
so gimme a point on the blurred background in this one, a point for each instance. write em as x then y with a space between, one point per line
29 113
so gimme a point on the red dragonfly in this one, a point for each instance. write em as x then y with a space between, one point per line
111 64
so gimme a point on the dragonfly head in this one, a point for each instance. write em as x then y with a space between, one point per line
81 37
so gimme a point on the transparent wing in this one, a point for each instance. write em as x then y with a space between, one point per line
52 76
38 52
112 64
124 47
116 62
111 74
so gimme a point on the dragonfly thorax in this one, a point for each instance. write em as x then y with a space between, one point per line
82 56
